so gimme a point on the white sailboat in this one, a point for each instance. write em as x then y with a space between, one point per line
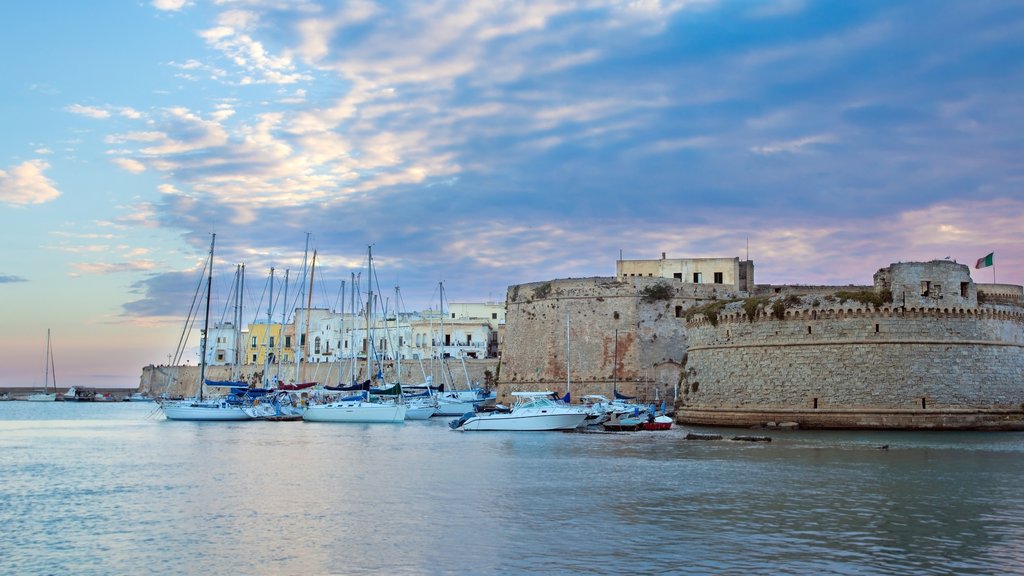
49 372
200 408
366 407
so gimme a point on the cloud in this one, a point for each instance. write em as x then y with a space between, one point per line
88 111
25 184
171 5
8 279
793 146
130 165
104 268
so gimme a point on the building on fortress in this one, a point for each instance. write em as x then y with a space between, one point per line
733 272
922 349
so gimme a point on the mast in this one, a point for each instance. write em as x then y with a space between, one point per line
48 366
206 321
284 318
266 353
369 304
309 302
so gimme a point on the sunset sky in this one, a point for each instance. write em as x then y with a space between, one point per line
482 144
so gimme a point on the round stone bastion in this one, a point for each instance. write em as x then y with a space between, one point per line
857 367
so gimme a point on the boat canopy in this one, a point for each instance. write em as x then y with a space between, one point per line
620 396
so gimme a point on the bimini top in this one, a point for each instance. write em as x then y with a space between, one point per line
532 394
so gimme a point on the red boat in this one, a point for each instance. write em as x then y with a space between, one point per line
301 386
660 423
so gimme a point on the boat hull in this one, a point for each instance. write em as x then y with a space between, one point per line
203 412
42 397
523 422
420 412
356 412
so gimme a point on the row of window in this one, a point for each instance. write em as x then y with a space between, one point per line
698 277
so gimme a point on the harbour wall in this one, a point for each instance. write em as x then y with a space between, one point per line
846 367
183 381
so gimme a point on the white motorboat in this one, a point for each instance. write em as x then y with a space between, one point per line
532 411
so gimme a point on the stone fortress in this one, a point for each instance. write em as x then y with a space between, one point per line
924 347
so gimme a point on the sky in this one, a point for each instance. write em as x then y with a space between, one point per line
481 144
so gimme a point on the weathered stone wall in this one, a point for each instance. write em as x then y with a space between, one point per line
849 367
184 380
618 338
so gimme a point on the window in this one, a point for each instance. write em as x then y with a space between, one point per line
253 345
697 277
287 341
926 288
253 358
965 289
494 315
679 311
815 403
220 355
469 339
678 275
718 277
453 314
316 345
271 341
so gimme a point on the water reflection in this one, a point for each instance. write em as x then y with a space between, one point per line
128 494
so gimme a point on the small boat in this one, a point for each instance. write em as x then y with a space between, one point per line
50 375
138 397
532 411
79 394
658 423
619 423
280 406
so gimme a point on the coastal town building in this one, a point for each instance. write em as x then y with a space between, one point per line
729 273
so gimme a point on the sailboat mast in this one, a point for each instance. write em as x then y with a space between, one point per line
309 302
369 303
284 318
206 321
47 364
266 351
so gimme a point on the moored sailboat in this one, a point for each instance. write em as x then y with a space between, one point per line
200 408
49 373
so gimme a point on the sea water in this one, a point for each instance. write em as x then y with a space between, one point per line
113 488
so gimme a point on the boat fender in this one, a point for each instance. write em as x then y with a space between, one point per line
256 402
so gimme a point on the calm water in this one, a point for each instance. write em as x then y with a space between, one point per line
115 489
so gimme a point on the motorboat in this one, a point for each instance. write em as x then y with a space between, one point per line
532 411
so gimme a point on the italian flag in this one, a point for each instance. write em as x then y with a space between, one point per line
985 262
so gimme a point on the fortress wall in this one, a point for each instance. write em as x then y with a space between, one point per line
857 367
616 339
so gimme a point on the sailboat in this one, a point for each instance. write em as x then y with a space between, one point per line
49 372
453 402
200 408
365 406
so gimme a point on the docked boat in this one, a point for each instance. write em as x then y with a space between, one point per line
621 423
658 423
532 411
79 394
281 405
138 397
356 411
50 376
201 408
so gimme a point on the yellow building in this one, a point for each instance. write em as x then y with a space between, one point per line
265 339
